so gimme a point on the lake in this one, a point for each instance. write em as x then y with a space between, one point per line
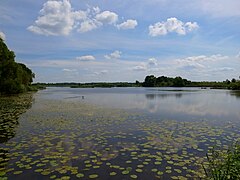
118 133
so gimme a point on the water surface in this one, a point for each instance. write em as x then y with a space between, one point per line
177 103
120 133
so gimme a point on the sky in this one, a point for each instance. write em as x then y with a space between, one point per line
124 40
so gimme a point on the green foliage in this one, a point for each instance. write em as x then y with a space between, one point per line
236 85
88 85
14 77
234 80
162 81
5 53
178 82
35 87
150 81
224 165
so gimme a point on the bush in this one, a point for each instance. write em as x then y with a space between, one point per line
236 86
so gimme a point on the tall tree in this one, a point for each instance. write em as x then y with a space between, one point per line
14 77
150 81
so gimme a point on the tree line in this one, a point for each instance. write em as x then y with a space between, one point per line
163 81
14 77
88 85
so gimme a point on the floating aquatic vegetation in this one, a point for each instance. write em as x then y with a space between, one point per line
139 170
113 174
93 176
133 176
125 172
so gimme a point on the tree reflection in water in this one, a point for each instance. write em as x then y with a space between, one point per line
235 93
11 108
162 96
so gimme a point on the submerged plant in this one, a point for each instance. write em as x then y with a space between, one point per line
223 165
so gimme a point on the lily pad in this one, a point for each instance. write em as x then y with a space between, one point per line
93 176
79 175
133 176
113 174
125 172
139 170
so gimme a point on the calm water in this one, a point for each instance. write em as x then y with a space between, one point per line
120 133
173 103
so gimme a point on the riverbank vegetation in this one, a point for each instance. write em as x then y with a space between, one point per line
14 77
223 164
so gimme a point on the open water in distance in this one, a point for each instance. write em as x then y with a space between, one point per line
173 103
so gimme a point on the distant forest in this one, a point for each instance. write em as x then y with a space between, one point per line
152 81
163 81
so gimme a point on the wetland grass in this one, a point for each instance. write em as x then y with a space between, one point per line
223 165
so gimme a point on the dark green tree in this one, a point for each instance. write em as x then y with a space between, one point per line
150 81
178 82
14 77
137 83
227 81
5 53
164 81
234 80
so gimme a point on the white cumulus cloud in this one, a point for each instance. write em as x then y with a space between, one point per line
96 19
114 55
86 58
2 35
56 18
129 24
191 26
88 25
107 17
172 25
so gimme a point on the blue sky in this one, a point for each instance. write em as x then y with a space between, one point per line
124 40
